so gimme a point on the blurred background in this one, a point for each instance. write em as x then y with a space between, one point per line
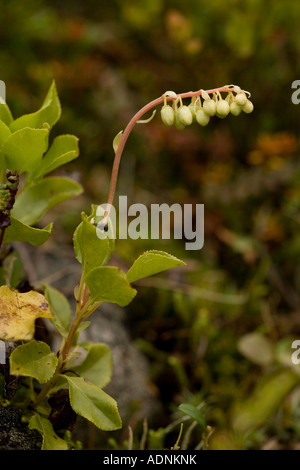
218 333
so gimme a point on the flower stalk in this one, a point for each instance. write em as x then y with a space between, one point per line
168 96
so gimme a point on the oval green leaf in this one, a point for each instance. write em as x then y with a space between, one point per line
4 132
152 262
24 148
5 114
60 309
20 232
90 402
51 441
90 250
109 284
193 412
34 359
63 150
97 365
264 401
36 199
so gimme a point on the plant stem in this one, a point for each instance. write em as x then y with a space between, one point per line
43 393
69 339
61 362
64 350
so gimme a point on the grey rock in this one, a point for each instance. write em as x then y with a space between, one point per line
15 435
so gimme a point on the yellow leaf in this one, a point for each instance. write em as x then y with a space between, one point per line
18 313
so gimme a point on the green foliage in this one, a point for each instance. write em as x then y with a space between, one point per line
257 348
60 309
39 197
34 359
90 250
97 365
51 441
63 150
24 144
152 262
193 412
21 232
12 270
246 171
23 148
49 113
6 119
267 396
92 403
109 284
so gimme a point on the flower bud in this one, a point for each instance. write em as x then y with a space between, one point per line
202 118
178 123
240 98
248 107
210 107
191 107
167 115
222 109
235 109
185 115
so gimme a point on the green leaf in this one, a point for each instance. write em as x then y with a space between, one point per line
109 284
51 441
24 148
49 113
4 132
193 412
227 440
97 366
90 250
90 402
152 262
116 141
63 150
12 271
5 114
18 231
83 325
36 199
264 401
60 309
3 166
257 348
33 359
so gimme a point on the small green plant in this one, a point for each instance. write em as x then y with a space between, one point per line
27 193
192 427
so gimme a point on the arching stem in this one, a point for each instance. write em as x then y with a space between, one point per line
162 99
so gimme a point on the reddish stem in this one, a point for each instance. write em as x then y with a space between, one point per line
127 131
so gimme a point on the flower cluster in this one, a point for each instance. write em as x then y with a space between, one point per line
204 106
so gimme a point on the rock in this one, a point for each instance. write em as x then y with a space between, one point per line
15 435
